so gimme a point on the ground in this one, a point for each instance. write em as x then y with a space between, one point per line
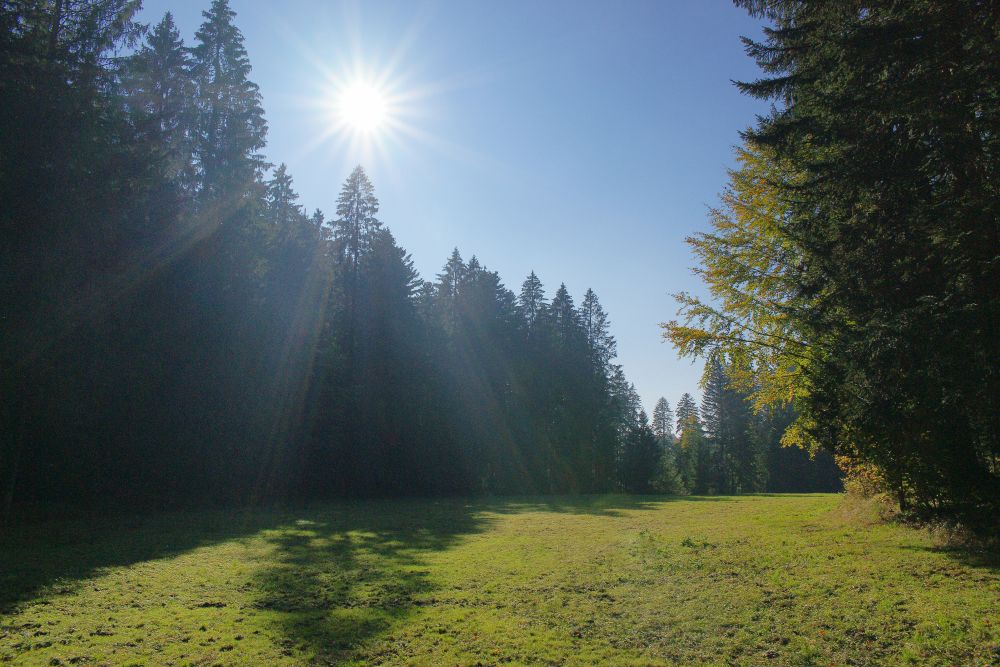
756 580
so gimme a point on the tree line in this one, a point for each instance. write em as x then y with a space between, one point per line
854 257
723 446
177 329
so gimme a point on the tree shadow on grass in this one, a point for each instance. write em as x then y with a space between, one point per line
971 557
609 505
39 561
337 575
342 576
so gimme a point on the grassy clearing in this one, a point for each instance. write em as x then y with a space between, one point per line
775 580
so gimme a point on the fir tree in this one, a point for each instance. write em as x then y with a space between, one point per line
280 199
230 128
532 301
663 422
597 330
356 224
159 90
564 319
687 412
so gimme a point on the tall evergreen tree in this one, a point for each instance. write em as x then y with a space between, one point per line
886 219
640 457
280 199
230 129
160 91
356 226
564 319
736 460
597 329
687 410
532 300
663 421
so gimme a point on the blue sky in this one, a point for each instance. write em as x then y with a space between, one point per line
581 140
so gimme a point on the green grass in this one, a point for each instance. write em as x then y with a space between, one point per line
760 580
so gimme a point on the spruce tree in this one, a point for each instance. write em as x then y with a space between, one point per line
280 199
895 215
564 319
687 410
663 422
159 90
597 329
532 300
356 224
230 129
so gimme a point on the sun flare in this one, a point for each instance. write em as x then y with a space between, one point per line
362 107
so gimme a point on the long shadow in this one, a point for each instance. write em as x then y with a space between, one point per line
38 561
342 575
609 505
339 574
347 573
980 559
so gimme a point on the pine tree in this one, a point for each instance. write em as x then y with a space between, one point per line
454 274
640 457
563 317
663 422
159 90
597 329
687 412
692 458
356 224
532 300
280 199
894 216
597 404
230 128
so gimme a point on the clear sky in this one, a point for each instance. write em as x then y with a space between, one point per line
581 140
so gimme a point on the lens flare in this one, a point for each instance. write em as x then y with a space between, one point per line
362 107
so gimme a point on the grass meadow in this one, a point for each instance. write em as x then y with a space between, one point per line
609 580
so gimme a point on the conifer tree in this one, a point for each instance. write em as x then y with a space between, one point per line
532 300
564 319
230 129
687 412
597 329
280 199
691 457
872 291
663 422
356 224
159 90
640 457
453 275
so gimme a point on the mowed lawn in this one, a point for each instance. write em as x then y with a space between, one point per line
759 580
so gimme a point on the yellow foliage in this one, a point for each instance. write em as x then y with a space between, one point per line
749 265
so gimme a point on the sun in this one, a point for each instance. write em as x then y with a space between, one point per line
362 107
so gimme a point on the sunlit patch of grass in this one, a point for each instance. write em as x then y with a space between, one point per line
776 580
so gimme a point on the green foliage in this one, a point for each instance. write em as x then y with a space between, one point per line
898 219
663 422
750 265
229 122
854 259
178 331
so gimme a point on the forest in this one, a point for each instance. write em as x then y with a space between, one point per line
234 431
178 331
854 257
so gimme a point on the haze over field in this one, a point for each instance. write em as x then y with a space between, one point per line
555 137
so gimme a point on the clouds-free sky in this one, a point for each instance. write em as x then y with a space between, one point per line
582 140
